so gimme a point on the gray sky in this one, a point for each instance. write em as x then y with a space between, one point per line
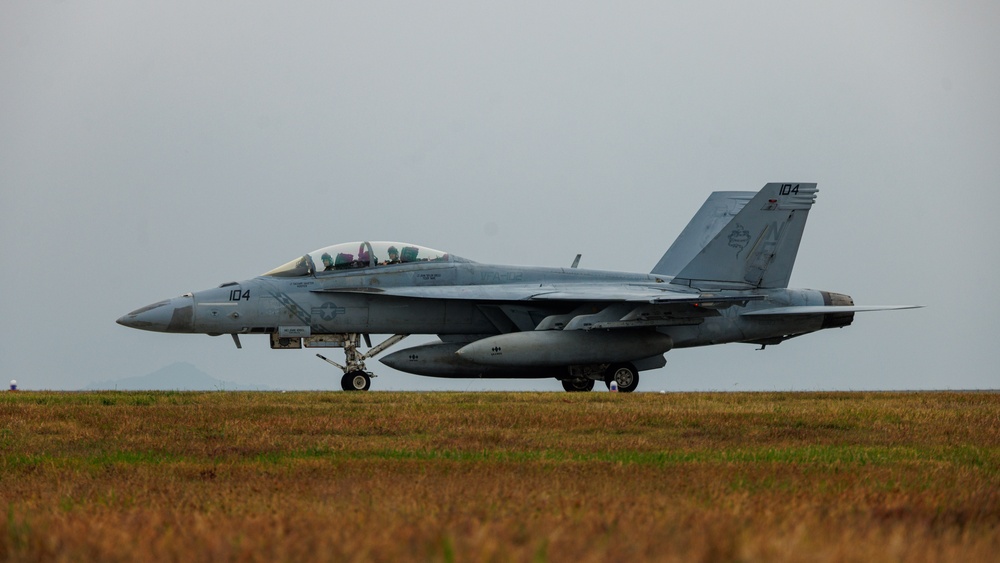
147 150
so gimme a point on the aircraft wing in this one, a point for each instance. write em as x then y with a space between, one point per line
534 292
821 309
619 306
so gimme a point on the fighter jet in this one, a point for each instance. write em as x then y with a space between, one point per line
725 279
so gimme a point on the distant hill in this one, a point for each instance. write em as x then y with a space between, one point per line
180 376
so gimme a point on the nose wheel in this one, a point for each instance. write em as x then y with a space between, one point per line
356 381
356 376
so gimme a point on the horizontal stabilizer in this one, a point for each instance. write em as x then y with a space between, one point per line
823 309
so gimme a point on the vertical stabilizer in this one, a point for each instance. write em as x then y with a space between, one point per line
757 248
717 211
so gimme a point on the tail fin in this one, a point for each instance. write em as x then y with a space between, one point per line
717 211
757 248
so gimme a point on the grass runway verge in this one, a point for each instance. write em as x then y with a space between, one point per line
232 476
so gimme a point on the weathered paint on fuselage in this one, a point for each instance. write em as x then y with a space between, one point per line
263 304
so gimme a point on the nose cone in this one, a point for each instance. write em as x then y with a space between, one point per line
172 315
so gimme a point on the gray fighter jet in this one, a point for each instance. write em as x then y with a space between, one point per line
725 279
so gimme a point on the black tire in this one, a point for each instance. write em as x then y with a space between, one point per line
625 374
356 381
578 385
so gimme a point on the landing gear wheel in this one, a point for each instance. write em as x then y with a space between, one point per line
578 385
355 381
625 375
356 376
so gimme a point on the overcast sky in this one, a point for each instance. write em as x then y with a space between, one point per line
150 149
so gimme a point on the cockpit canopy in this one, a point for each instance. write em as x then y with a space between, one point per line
355 255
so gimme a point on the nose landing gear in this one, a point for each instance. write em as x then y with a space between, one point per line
356 381
356 376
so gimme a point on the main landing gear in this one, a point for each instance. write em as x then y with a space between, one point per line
624 375
578 385
356 376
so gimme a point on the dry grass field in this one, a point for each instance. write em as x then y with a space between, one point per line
119 476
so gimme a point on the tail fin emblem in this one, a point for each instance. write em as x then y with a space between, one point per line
739 238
